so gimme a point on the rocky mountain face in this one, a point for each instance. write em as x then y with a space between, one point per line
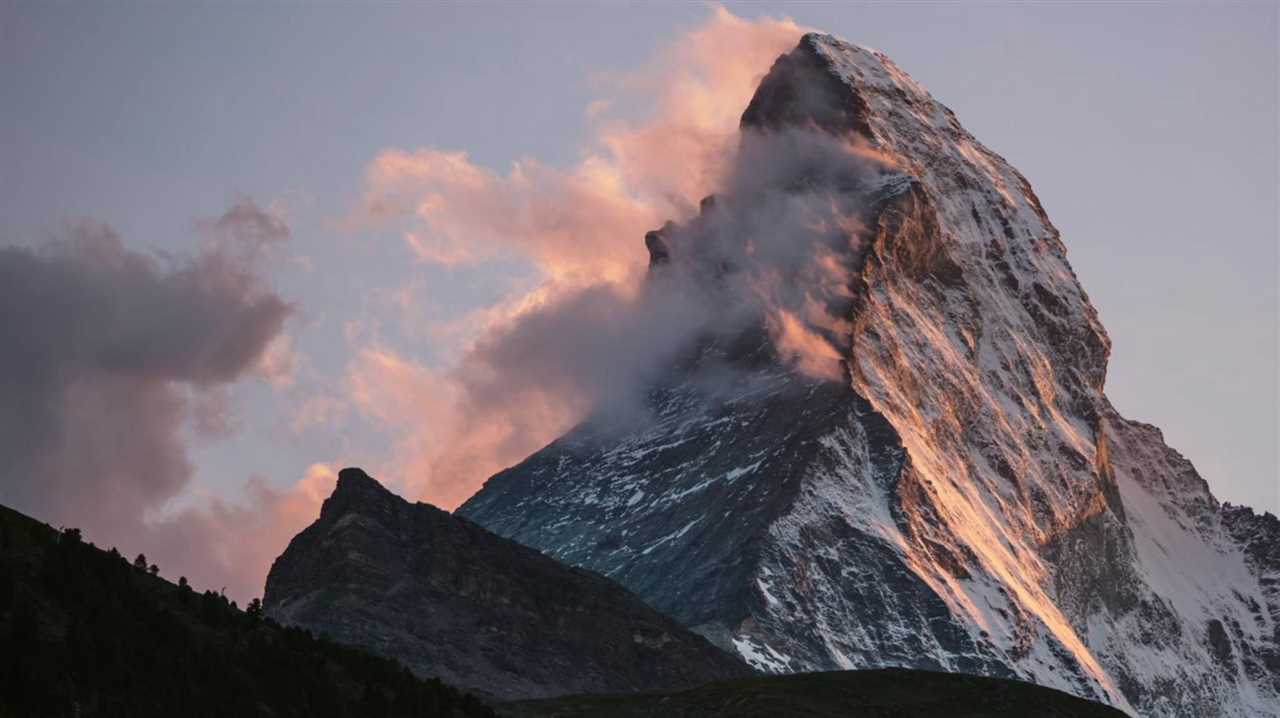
451 600
958 493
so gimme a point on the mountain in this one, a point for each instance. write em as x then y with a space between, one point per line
882 693
909 458
86 633
452 600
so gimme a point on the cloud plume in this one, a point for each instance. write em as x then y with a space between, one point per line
111 357
593 335
581 228
579 223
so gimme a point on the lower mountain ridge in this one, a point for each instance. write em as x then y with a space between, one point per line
452 600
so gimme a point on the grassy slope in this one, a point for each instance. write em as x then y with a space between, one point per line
886 693
83 632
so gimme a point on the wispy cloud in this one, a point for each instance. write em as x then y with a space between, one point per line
112 356
533 364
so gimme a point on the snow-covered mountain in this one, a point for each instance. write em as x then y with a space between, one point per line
909 459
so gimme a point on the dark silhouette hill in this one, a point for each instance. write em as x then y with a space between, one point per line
883 693
86 632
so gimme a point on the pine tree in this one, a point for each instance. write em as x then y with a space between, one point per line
140 562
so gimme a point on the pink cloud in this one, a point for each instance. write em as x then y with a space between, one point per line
219 544
583 221
516 385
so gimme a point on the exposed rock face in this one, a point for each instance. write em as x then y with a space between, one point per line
964 498
449 599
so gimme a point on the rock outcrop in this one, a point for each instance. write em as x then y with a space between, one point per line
451 600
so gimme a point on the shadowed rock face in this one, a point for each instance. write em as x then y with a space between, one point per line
450 599
965 498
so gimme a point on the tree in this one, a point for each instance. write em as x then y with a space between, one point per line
182 583
154 570
254 609
140 562
71 536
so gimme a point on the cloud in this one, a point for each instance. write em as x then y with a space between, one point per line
594 336
247 225
536 362
698 86
579 224
563 220
230 545
112 356
523 381
279 362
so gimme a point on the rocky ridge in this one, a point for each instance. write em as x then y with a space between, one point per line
451 600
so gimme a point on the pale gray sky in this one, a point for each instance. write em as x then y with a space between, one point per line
1149 131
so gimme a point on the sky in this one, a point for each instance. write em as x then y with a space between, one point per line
317 226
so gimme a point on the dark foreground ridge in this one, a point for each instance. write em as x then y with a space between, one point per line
453 600
85 633
884 693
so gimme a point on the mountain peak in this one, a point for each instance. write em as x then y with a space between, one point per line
804 88
354 478
964 481
356 491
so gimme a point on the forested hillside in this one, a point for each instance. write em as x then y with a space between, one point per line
87 632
